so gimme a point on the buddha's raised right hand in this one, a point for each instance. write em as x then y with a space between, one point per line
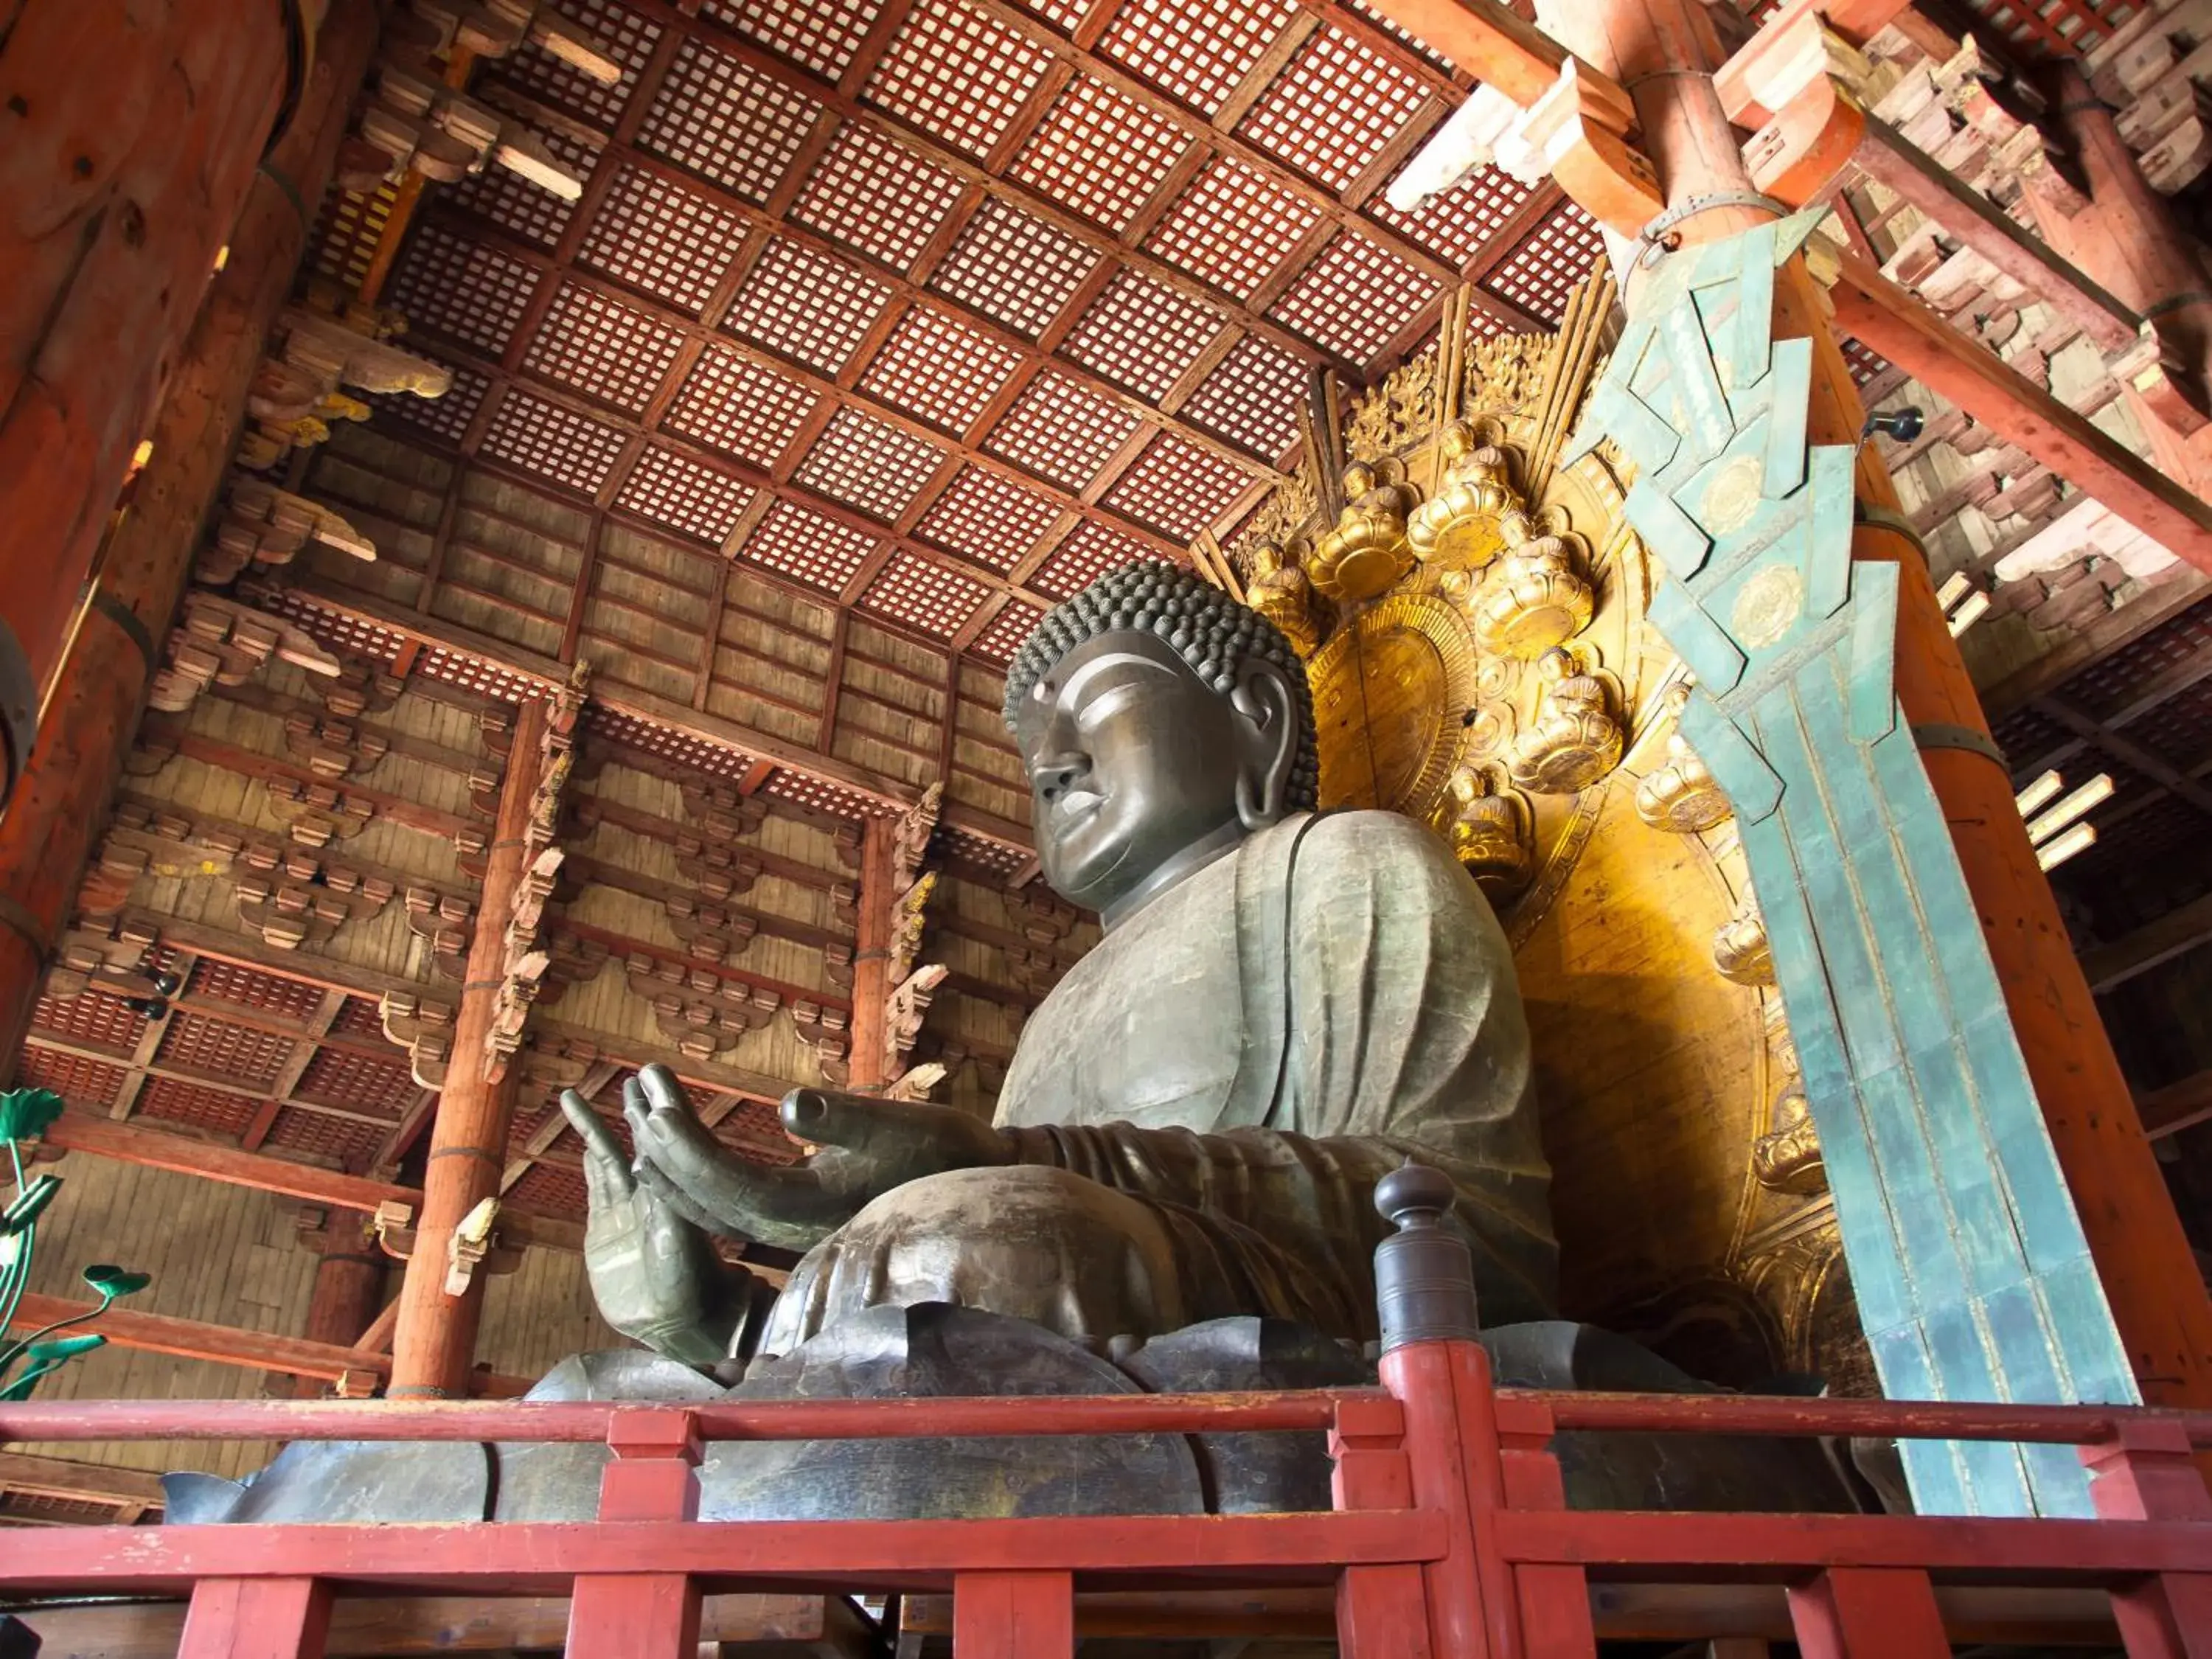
867 1146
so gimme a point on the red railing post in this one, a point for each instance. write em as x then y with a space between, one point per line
1381 1611
654 1476
2146 1471
256 1619
1439 1374
1553 1600
1015 1615
1868 1612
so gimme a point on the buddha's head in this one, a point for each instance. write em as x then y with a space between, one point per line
1160 722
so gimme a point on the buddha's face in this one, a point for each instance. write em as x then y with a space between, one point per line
1132 760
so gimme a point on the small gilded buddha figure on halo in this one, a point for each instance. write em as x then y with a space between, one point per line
1366 551
1279 591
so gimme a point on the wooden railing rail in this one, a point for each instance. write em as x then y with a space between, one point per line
1450 1538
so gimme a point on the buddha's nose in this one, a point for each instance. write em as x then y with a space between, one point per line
1057 774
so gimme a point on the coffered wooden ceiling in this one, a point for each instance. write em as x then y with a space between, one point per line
940 307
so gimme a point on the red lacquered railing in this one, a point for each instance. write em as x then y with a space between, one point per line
1450 1539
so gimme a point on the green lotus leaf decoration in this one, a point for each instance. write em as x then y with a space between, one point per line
64 1347
112 1281
26 1112
29 1203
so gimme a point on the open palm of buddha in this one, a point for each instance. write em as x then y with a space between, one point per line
1285 1007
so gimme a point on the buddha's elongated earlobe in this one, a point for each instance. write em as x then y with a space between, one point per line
1267 717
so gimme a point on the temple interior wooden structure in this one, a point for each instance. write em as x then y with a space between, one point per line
519 517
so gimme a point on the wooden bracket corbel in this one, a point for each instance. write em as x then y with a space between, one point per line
1795 82
1578 135
469 1246
393 1224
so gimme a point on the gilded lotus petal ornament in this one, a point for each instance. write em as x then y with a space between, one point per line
1680 795
1460 525
1574 739
1489 833
1534 599
1741 950
1366 553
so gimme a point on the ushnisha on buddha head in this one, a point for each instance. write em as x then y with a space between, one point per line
1160 722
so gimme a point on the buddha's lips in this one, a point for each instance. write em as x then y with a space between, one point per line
1076 805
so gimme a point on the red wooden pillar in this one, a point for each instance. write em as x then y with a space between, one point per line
1013 1615
654 1476
60 804
2148 1472
435 1342
1868 1613
870 1064
1664 51
1381 1610
348 1290
129 135
256 1619
1453 1458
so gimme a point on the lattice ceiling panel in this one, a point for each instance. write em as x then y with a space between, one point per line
215 1048
1176 488
677 491
169 1101
602 348
1390 26
1457 224
1013 268
794 540
694 753
1061 431
83 1082
1090 550
553 442
824 797
289 999
1233 228
661 240
1251 398
1142 334
520 208
93 1020
731 403
1354 297
958 75
1334 110
727 122
1197 52
1100 153
805 306
989 518
940 370
462 289
1863 361
1062 15
1007 633
1539 273
867 464
822 38
924 595
877 197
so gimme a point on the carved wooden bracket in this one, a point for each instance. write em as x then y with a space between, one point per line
709 932
719 871
443 919
114 954
910 839
264 527
333 748
720 813
296 391
701 1013
906 1008
315 814
423 1028
218 642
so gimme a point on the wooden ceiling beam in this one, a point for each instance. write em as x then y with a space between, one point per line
2180 589
1886 320
2107 967
2124 749
2178 1106
226 1344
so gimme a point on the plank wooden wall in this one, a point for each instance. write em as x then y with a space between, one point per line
225 1254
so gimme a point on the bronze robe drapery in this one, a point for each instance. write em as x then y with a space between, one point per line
1245 1057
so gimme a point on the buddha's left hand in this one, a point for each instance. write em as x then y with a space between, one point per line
867 1147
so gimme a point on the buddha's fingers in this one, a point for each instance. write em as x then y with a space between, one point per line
672 1197
900 1138
606 1171
787 1206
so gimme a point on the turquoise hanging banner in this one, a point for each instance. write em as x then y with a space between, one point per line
1972 1274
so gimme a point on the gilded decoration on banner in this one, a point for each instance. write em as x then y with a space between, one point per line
1680 795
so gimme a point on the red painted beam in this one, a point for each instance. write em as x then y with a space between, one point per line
225 1345
1886 318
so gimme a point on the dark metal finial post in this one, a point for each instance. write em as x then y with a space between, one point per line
1424 1273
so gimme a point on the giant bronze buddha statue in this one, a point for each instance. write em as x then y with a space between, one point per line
1285 1007
1177 1194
